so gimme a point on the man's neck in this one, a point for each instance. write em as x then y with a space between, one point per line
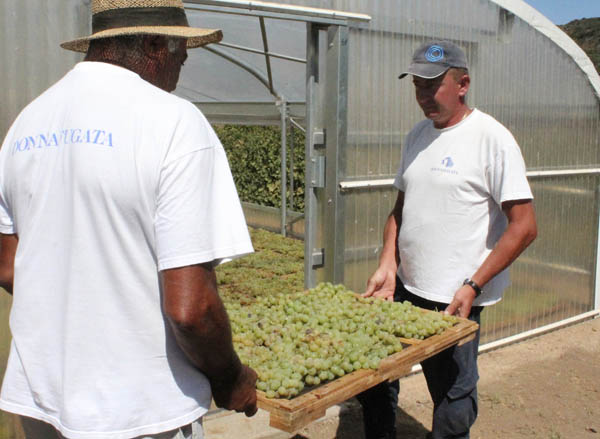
461 114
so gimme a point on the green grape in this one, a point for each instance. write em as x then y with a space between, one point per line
310 337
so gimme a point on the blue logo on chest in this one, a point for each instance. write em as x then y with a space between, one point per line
447 162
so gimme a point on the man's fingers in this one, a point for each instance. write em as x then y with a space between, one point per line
451 309
464 312
384 294
371 285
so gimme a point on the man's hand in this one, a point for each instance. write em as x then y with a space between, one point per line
381 284
462 302
238 395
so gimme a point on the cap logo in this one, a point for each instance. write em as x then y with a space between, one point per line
434 53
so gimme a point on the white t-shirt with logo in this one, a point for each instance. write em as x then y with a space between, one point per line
107 180
454 182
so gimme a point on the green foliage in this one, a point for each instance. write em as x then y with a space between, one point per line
586 33
254 154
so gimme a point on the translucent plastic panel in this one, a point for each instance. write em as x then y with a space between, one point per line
554 278
367 211
32 59
524 80
207 77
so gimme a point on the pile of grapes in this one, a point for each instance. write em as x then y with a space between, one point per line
307 338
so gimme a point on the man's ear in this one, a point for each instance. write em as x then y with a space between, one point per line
153 46
464 83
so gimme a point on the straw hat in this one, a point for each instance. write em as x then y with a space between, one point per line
111 18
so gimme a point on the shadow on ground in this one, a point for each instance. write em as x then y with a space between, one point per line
350 424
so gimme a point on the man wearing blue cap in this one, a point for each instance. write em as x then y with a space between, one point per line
463 214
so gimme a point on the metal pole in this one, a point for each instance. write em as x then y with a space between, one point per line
596 288
335 118
283 109
292 166
311 263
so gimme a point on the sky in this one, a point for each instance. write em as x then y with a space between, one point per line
563 11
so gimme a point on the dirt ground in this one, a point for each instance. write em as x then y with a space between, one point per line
547 387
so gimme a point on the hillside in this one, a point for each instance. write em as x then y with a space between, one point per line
586 33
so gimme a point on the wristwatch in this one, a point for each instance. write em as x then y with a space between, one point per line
473 285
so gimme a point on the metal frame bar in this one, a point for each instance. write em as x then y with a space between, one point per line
312 113
258 75
307 14
326 136
263 33
336 132
275 15
562 172
260 52
597 273
291 164
283 109
388 182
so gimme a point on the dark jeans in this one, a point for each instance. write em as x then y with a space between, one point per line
451 379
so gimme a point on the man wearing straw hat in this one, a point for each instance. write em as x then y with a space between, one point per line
463 214
116 203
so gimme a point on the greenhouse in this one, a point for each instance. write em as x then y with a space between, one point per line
330 69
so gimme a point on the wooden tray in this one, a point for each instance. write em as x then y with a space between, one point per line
291 415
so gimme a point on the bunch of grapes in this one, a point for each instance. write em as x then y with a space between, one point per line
310 337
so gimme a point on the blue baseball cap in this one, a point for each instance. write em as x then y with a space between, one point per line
434 58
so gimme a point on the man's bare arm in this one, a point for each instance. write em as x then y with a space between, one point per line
201 326
521 231
8 249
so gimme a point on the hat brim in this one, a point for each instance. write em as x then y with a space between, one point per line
426 71
196 37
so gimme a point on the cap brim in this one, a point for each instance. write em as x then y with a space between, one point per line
426 71
196 37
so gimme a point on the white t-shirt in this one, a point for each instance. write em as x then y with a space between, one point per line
454 181
108 179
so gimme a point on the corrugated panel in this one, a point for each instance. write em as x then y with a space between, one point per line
30 34
530 84
554 279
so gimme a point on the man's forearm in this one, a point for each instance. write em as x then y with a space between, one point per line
200 323
519 234
208 345
389 254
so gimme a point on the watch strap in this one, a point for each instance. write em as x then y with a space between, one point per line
473 285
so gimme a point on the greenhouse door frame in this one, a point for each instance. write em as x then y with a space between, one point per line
326 138
326 124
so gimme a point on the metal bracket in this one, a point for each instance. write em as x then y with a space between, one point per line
319 139
318 171
318 257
